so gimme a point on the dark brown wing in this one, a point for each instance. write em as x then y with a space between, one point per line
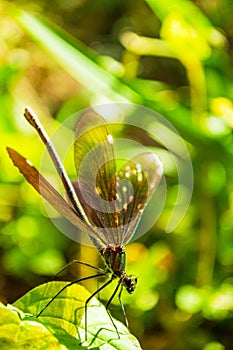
47 191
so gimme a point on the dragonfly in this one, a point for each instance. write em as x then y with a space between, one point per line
104 202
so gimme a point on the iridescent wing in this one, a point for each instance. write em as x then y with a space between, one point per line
115 222
94 155
113 201
137 179
95 166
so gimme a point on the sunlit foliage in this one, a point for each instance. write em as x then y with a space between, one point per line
174 57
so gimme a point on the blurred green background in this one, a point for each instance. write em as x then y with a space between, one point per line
175 57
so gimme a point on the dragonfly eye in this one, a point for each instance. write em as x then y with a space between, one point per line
130 283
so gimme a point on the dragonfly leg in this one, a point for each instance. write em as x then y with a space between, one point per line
123 308
87 301
81 263
68 285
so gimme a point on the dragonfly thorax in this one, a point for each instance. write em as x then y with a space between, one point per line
115 259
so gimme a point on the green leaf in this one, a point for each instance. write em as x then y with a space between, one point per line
63 321
19 333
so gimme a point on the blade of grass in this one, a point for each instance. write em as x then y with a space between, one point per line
79 61
75 61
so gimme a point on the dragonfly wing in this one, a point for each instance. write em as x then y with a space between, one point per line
43 187
137 179
94 155
96 169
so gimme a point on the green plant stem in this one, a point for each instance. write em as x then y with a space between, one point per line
207 237
197 83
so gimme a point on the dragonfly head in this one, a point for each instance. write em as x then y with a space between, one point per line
129 282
